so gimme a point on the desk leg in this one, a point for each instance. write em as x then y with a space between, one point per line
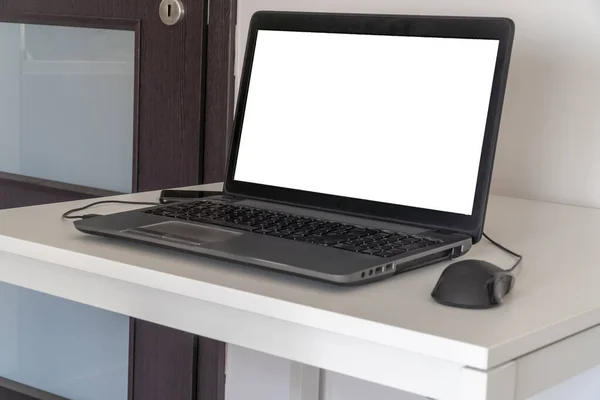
304 382
497 384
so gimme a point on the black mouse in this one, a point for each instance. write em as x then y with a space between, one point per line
473 284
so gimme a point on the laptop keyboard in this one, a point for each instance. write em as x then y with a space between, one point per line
381 243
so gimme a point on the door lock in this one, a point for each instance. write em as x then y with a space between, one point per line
171 11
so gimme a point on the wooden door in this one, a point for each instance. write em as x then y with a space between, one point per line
167 84
180 83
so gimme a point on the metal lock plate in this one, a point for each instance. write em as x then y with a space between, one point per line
170 11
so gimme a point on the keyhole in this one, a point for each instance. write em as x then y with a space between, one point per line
169 11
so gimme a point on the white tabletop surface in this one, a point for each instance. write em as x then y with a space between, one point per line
555 295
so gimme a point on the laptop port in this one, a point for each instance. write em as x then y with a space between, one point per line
389 267
378 270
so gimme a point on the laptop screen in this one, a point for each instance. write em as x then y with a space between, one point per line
392 119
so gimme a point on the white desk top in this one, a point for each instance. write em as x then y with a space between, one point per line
556 294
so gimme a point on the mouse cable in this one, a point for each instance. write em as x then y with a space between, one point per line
67 215
498 245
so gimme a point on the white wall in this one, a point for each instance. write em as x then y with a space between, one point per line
549 145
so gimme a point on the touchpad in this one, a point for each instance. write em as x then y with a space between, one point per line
184 232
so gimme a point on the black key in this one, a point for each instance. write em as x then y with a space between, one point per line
322 229
256 226
337 232
339 238
377 236
322 241
315 227
313 236
327 241
408 241
262 231
379 243
348 247
272 226
274 233
356 233
357 242
370 251
396 237
296 236
303 229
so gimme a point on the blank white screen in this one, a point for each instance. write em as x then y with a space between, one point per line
392 119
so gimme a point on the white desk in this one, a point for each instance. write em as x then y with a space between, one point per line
389 332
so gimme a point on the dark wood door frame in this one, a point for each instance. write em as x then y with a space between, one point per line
163 363
220 87
17 190
11 390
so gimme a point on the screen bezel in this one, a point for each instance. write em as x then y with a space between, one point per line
501 29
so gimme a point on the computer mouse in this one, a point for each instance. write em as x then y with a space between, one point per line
473 284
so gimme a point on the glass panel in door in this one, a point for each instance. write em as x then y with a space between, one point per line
67 104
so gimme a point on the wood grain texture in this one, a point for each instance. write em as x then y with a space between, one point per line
7 394
131 359
170 91
220 87
11 390
211 369
165 363
20 191
70 20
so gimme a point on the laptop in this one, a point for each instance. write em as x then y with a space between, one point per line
363 147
